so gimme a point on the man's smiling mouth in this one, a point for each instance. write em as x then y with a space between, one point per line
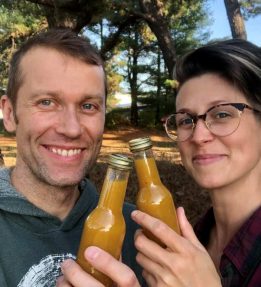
65 152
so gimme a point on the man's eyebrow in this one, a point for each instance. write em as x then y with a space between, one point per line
40 93
97 97
58 94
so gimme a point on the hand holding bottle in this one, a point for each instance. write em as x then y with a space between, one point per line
105 226
75 276
184 262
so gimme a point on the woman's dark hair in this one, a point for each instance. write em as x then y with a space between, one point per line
237 61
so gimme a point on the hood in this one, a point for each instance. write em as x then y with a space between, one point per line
16 205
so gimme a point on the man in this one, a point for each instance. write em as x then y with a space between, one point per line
55 104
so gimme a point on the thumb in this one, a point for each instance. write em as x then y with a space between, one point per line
187 229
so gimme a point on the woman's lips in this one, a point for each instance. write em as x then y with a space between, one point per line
207 158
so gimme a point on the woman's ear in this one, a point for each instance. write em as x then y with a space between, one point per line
8 114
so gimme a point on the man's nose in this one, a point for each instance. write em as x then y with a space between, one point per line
69 123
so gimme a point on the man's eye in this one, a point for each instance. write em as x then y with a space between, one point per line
88 106
46 102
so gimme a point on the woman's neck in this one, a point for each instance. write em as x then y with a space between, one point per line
232 206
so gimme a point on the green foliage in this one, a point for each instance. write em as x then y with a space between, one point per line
135 63
117 117
113 77
111 102
18 20
171 83
139 48
250 8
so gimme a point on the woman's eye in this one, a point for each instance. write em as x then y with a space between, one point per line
185 122
222 115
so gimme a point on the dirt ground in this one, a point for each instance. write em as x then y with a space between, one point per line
184 190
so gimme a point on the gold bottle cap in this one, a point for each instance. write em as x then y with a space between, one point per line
120 161
140 144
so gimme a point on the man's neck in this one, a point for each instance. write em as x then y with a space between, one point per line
55 200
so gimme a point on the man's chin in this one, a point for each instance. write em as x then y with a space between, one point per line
66 181
62 181
62 176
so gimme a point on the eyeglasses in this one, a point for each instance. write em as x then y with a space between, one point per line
221 120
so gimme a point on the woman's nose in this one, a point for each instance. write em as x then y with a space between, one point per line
201 132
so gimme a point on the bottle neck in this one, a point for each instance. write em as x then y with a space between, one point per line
146 168
114 189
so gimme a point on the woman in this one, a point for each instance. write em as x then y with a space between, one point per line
217 126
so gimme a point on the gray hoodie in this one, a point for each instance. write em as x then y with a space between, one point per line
34 243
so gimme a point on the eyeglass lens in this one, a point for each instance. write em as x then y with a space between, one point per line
220 120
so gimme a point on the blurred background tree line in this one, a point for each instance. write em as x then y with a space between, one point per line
139 40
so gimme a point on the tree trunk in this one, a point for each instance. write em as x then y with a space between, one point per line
133 78
235 18
76 14
157 114
157 22
68 13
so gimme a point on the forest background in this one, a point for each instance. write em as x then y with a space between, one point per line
140 41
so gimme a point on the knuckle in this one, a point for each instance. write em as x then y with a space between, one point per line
191 254
168 280
178 267
130 280
73 273
165 280
159 227
139 257
139 241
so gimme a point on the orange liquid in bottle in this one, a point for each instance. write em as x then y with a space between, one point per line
105 227
153 197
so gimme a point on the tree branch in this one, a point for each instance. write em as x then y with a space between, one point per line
48 3
112 41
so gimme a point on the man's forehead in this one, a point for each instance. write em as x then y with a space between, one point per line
42 53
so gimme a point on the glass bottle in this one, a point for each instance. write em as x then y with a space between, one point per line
153 197
105 225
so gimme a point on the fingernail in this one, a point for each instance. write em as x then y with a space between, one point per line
92 252
134 213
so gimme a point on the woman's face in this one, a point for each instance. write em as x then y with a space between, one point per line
213 161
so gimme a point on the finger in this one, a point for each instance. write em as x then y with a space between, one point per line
61 282
152 251
187 229
149 265
74 274
161 230
156 260
155 275
116 270
150 279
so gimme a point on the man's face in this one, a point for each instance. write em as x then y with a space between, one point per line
60 115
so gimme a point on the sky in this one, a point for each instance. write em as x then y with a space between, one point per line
220 27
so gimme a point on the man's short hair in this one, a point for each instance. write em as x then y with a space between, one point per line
62 40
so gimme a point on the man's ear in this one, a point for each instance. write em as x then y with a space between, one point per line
8 114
